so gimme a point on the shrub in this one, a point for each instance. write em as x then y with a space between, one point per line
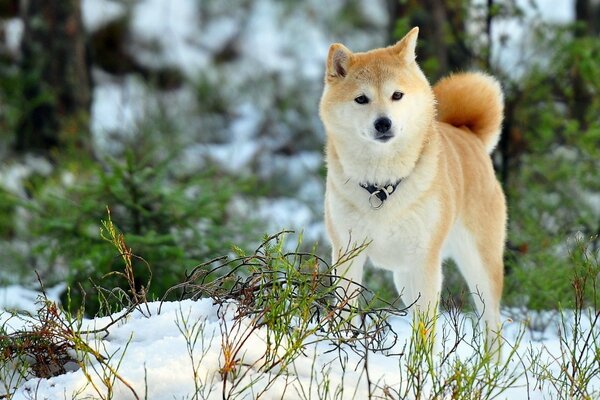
172 223
553 183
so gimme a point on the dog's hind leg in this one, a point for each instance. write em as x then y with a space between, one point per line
482 267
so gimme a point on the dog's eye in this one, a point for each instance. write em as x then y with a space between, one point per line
397 95
362 99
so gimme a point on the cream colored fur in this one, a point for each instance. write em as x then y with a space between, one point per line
448 204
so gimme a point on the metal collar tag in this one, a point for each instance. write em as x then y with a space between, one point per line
379 194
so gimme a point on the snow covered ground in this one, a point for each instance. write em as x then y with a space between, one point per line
150 350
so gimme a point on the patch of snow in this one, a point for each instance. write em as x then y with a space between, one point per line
12 175
167 371
291 40
376 12
246 123
305 163
192 158
239 150
18 298
291 214
313 191
13 32
593 201
173 26
558 12
218 32
284 213
117 107
512 47
97 13
126 108
264 41
232 158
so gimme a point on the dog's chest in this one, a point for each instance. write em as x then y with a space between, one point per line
403 241
398 236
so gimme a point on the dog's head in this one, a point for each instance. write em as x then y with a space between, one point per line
379 99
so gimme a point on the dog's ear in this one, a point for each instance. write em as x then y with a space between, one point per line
405 48
338 61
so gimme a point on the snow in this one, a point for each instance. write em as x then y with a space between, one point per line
512 42
16 297
13 174
150 351
285 213
238 157
117 106
562 11
13 32
173 27
97 13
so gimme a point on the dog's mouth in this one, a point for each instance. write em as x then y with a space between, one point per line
384 137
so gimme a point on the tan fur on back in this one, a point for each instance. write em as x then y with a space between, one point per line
448 202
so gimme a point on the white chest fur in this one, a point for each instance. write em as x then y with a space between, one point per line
399 235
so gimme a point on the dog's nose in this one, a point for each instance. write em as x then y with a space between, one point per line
383 124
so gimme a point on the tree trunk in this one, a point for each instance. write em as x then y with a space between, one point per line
587 19
56 88
589 14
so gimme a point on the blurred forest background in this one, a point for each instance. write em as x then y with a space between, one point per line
195 122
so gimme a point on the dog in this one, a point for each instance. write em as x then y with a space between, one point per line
409 171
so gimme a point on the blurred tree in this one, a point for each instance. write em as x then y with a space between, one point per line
587 18
443 46
9 8
588 12
56 83
576 95
552 128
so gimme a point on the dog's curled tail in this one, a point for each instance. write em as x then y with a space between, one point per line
474 100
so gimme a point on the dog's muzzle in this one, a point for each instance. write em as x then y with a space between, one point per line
383 130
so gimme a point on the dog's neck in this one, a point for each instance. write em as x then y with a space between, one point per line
379 194
378 170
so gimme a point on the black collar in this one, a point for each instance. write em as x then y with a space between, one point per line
379 193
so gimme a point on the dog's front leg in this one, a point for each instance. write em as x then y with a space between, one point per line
419 286
348 274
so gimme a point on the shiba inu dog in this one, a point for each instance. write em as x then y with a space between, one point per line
408 170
